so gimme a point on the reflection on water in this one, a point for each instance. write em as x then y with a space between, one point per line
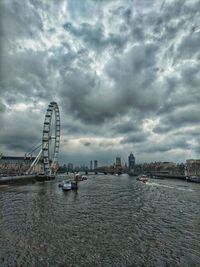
109 221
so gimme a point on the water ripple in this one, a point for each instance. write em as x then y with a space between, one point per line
109 221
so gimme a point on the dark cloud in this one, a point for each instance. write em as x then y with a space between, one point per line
162 128
169 144
87 144
181 117
189 45
18 133
191 78
126 127
20 20
94 36
135 138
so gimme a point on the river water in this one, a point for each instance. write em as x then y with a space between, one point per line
109 221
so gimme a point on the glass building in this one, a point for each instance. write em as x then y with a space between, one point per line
95 164
131 161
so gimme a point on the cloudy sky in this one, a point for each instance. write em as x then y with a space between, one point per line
125 74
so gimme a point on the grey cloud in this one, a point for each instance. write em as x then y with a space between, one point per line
162 128
187 116
189 45
135 138
126 127
75 128
19 133
87 144
182 117
191 76
108 70
168 145
93 35
2 107
19 20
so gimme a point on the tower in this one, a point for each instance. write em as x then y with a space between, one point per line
131 161
95 164
90 164
118 165
118 162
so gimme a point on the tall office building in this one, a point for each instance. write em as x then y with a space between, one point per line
90 164
70 167
118 162
95 164
131 161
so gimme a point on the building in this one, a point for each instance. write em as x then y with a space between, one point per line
192 167
95 164
70 167
12 165
131 162
118 163
165 167
91 164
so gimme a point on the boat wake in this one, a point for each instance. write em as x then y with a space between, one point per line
170 186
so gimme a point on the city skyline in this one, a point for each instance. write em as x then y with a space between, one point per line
124 74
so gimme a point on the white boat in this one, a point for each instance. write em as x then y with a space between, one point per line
78 177
143 178
67 185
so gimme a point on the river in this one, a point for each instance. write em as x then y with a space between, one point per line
109 221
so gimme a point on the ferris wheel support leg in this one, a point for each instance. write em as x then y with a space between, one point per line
35 161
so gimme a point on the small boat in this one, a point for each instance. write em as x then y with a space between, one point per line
143 178
66 186
194 178
84 177
70 186
74 185
78 177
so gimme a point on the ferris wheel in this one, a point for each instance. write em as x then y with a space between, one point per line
51 137
50 141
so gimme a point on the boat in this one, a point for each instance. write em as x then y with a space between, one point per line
74 185
143 178
78 177
194 178
67 185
